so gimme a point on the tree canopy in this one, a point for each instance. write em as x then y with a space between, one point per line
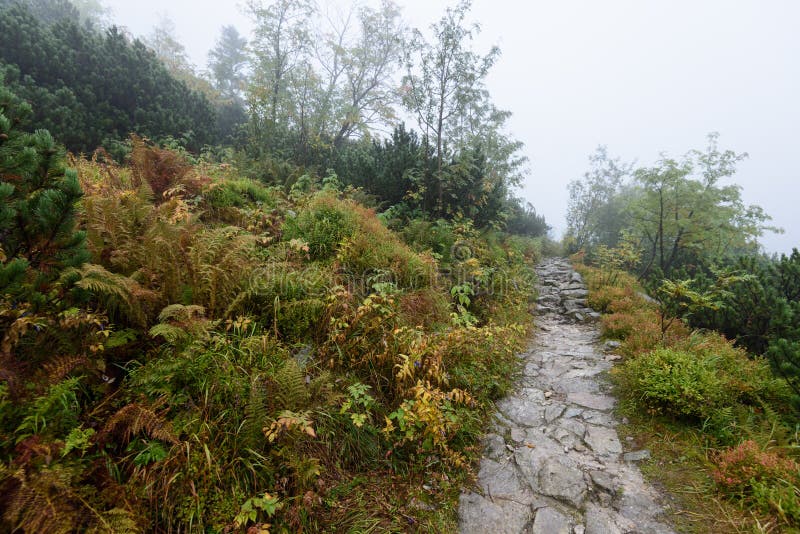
89 87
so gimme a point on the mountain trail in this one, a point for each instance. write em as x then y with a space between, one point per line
553 461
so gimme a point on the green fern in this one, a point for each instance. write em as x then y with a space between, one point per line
172 334
57 409
179 323
255 415
292 392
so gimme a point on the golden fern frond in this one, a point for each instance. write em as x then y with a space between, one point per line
181 314
119 293
164 263
115 521
292 392
178 323
217 259
114 224
135 419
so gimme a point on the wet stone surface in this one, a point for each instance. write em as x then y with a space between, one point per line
553 462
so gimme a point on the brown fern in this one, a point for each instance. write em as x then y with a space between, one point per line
38 502
57 369
47 501
161 169
136 418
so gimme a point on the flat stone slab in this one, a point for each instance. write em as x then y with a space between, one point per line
478 515
602 440
550 521
501 480
524 412
636 456
562 481
591 400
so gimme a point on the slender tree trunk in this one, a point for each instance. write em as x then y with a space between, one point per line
661 228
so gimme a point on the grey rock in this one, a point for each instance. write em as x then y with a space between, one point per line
500 480
574 426
573 412
576 314
600 521
562 470
517 435
521 411
572 285
573 304
590 400
548 520
603 481
479 515
602 440
575 293
553 412
562 481
494 446
636 456
599 418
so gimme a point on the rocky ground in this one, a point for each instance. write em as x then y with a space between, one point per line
553 462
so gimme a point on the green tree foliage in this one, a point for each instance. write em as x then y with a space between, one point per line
523 220
320 79
227 61
683 214
399 172
385 168
37 206
48 11
761 311
444 83
678 212
595 213
88 87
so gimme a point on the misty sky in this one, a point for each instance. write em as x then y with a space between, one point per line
640 76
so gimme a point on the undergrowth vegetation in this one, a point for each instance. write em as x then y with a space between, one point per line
720 422
193 351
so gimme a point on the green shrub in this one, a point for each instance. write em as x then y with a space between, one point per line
286 298
375 253
437 236
324 224
700 377
747 379
238 193
676 382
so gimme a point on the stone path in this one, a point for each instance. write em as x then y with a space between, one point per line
553 462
